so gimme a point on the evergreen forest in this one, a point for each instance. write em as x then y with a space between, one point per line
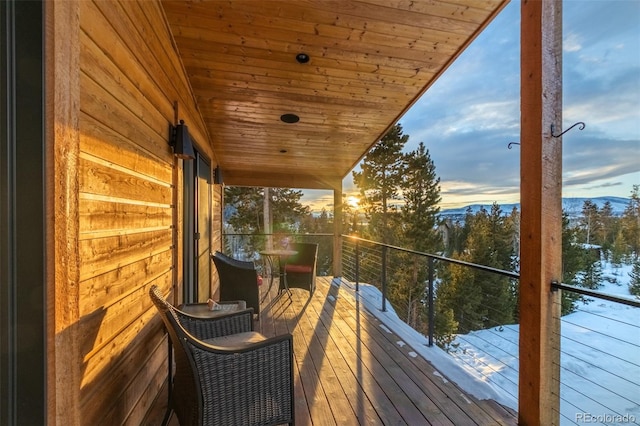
399 194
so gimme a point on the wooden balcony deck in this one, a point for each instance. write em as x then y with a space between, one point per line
351 371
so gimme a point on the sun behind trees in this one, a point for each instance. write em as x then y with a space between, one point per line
399 194
398 205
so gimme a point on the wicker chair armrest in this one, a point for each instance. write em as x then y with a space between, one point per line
219 302
221 325
244 348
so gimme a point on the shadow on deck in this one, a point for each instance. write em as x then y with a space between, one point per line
351 370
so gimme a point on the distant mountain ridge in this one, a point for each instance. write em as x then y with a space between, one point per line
571 205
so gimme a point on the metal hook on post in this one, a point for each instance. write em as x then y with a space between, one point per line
579 123
511 144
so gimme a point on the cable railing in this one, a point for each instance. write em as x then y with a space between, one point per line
377 264
600 340
466 334
600 359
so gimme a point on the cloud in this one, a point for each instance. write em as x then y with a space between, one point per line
473 112
467 118
571 43
607 185
588 175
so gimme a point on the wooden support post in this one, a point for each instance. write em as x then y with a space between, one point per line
63 147
541 201
337 230
267 219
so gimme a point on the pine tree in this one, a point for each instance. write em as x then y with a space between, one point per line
590 223
445 326
481 299
572 261
458 297
379 182
246 206
406 293
630 222
455 242
419 216
421 193
591 276
608 228
513 224
286 209
619 249
634 283
490 243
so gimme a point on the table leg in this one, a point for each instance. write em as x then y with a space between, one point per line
270 262
283 276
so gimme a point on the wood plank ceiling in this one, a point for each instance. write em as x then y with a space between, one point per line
369 61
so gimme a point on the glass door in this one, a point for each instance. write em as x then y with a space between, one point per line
203 226
197 229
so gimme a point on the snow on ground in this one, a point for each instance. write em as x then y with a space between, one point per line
371 298
600 355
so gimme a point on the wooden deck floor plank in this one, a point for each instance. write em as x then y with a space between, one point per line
441 407
385 408
361 406
408 377
390 359
319 358
443 391
329 364
376 370
467 409
349 370
356 368
503 415
319 406
275 323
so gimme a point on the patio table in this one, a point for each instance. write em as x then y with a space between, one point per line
270 257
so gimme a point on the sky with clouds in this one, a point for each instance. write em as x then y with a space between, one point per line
469 116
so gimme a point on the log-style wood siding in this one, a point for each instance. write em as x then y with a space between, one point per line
126 204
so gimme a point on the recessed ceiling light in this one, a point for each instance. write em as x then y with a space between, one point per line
289 118
302 58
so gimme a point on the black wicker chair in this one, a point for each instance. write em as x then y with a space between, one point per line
227 374
301 268
238 280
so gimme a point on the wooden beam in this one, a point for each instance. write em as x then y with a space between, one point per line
541 200
337 230
267 218
281 180
63 144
